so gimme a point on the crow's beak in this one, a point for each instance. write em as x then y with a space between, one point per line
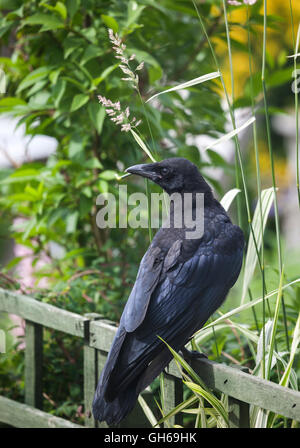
144 170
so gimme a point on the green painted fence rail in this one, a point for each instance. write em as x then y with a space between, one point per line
97 333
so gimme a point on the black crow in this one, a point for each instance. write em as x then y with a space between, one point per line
180 284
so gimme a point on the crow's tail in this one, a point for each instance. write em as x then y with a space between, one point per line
117 409
113 412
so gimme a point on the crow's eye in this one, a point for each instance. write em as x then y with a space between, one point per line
164 171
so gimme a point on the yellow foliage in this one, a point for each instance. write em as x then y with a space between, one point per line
277 40
282 174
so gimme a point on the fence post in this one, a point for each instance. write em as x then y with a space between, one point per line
101 359
173 395
90 375
238 413
33 364
90 372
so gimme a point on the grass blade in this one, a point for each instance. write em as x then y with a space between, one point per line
142 145
188 84
231 134
215 403
267 198
198 386
295 343
229 197
274 327
179 408
147 411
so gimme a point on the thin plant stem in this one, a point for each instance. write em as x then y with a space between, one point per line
296 105
237 181
269 139
148 193
253 311
258 180
148 124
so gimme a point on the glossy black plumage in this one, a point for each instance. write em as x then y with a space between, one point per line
180 284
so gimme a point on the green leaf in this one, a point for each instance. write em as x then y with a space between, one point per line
71 221
61 9
33 77
191 153
75 147
104 74
72 7
58 91
36 87
92 163
110 22
216 158
85 205
108 175
91 52
7 104
155 70
78 101
13 263
9 4
279 77
49 22
70 44
97 114
102 186
134 12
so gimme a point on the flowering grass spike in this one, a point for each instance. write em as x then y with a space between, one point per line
119 49
117 115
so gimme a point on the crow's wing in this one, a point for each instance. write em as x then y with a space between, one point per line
183 296
135 309
146 281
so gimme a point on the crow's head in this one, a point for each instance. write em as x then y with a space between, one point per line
175 175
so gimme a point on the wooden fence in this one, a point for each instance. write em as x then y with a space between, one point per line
97 333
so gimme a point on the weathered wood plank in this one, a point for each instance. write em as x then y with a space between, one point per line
42 313
102 333
23 416
33 364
